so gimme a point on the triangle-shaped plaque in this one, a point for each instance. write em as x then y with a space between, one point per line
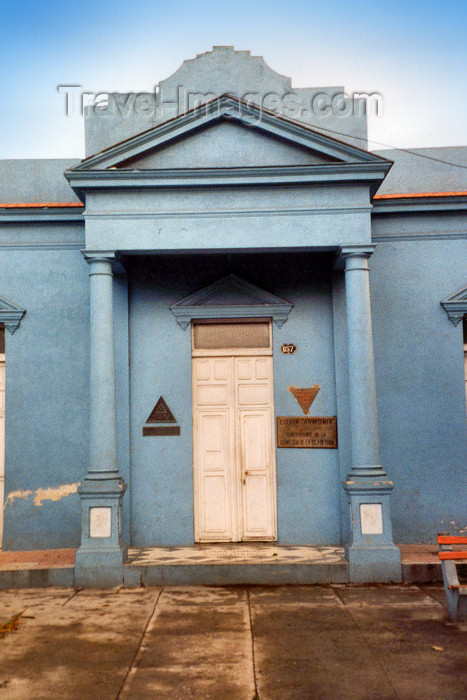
305 397
161 413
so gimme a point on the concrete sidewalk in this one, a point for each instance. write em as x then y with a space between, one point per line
242 643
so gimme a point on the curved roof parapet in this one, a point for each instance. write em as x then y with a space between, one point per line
223 70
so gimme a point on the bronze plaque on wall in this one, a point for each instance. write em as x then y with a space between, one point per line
161 413
161 430
309 431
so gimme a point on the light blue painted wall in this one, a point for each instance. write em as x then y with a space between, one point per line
420 379
36 180
46 394
162 477
419 371
122 389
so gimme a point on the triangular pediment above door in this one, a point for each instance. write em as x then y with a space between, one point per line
231 297
10 314
456 306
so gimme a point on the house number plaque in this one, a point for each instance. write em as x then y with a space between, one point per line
288 348
307 432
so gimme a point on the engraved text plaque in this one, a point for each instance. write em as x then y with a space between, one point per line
312 431
161 430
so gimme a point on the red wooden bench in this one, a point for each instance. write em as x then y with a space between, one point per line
456 593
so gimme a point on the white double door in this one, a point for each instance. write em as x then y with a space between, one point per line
234 456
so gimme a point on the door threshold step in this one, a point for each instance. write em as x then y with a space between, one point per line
258 553
236 563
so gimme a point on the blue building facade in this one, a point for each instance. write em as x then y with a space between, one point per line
216 248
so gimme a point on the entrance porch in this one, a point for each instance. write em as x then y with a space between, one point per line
260 563
244 243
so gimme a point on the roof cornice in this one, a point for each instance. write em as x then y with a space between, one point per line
419 202
36 212
357 173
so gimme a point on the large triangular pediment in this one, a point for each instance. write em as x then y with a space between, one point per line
227 133
231 297
226 144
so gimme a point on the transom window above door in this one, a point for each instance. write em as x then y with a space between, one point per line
233 337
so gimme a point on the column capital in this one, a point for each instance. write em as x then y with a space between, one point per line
93 256
346 253
105 262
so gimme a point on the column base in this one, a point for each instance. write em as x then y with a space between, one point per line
99 568
372 555
377 564
100 558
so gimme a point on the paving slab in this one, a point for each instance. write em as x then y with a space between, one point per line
307 646
198 645
379 594
420 651
437 593
240 643
78 647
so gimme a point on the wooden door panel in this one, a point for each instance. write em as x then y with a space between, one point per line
213 449
214 482
255 429
213 395
263 368
256 516
256 457
253 394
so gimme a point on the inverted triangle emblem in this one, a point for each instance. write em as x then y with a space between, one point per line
305 397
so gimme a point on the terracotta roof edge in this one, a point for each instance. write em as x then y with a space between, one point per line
414 195
38 205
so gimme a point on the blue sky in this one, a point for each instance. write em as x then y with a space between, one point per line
413 53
